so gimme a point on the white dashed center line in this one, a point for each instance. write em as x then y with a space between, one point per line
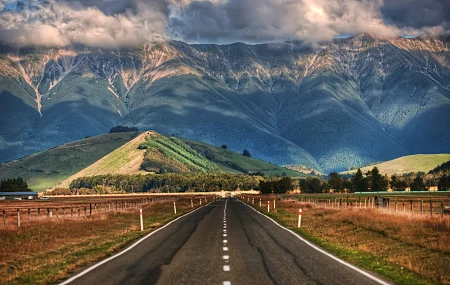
226 258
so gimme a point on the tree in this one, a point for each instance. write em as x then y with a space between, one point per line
325 188
359 182
394 182
224 146
14 185
122 129
377 181
314 186
304 185
347 185
246 153
417 184
443 183
335 181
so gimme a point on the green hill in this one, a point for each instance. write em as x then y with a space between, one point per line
407 164
126 153
231 162
46 169
169 154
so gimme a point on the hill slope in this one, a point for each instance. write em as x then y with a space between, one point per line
46 169
232 162
345 103
406 164
152 152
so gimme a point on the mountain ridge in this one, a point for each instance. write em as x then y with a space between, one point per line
342 104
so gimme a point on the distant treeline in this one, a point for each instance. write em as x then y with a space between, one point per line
276 185
373 181
443 169
164 183
14 185
123 129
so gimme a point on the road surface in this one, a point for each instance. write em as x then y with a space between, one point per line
224 242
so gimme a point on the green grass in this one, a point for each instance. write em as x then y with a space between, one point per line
231 162
46 169
407 164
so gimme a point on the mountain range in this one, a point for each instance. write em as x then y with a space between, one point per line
330 106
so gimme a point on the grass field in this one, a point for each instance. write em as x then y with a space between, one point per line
43 252
231 162
126 159
408 249
407 164
48 168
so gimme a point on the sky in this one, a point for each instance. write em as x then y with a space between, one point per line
114 23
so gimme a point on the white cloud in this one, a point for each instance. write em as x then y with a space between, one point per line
58 23
130 22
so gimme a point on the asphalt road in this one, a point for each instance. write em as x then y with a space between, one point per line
224 242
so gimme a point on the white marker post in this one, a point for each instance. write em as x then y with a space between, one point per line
200 201
299 217
268 206
253 201
274 203
174 208
142 221
192 204
260 202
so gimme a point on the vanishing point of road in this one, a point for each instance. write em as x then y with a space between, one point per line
224 242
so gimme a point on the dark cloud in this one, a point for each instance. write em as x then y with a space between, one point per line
416 14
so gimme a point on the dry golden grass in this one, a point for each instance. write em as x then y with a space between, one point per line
419 243
43 252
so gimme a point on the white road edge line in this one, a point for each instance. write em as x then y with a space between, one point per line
127 249
368 275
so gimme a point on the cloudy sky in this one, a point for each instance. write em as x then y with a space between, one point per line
129 22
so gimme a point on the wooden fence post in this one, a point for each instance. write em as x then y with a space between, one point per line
442 209
29 214
431 208
411 205
421 206
90 209
18 218
4 217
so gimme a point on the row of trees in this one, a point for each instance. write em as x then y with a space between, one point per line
166 183
14 185
276 185
373 181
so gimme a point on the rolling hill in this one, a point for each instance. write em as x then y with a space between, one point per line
339 104
46 169
407 164
126 153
